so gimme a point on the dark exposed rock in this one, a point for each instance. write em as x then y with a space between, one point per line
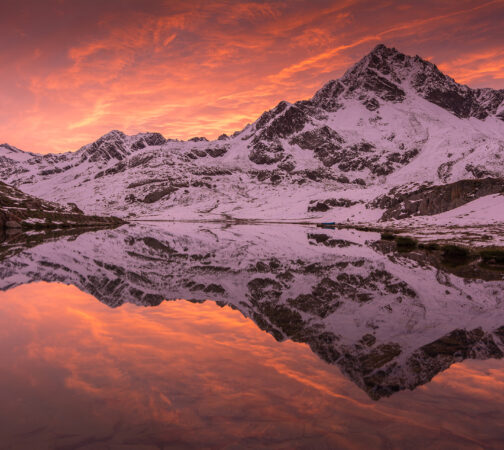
268 115
117 168
378 357
214 289
139 160
327 97
158 246
324 142
372 104
199 153
320 174
148 139
50 171
288 165
324 345
158 195
266 154
326 205
453 101
368 340
429 200
261 289
380 86
327 241
154 139
198 139
323 300
108 147
74 208
144 182
211 171
215 152
478 171
291 119
457 343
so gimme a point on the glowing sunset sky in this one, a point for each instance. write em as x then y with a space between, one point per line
72 70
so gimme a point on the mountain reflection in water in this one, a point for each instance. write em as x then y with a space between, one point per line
193 374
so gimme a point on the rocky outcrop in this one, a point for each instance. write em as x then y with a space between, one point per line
324 142
326 205
109 147
386 69
21 211
430 200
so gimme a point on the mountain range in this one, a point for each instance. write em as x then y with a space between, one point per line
394 137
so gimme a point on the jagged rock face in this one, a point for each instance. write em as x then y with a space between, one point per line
326 98
426 79
286 120
266 154
388 321
148 139
110 146
390 121
379 86
324 142
116 146
430 200
326 205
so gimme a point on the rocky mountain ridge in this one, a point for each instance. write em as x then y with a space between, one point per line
391 122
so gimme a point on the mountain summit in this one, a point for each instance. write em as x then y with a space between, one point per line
393 128
385 70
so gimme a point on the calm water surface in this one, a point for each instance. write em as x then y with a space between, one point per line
401 354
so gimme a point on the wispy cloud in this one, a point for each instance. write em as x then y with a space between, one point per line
70 72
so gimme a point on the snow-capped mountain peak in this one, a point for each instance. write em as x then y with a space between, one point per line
392 122
425 79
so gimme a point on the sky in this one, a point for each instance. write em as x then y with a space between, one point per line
72 70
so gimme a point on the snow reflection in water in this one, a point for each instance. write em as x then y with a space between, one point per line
203 374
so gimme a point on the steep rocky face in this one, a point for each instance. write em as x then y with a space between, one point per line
392 121
387 73
116 146
430 200
388 321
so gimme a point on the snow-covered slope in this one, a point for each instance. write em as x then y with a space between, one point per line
389 321
391 121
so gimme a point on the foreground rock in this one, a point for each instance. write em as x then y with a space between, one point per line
22 211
